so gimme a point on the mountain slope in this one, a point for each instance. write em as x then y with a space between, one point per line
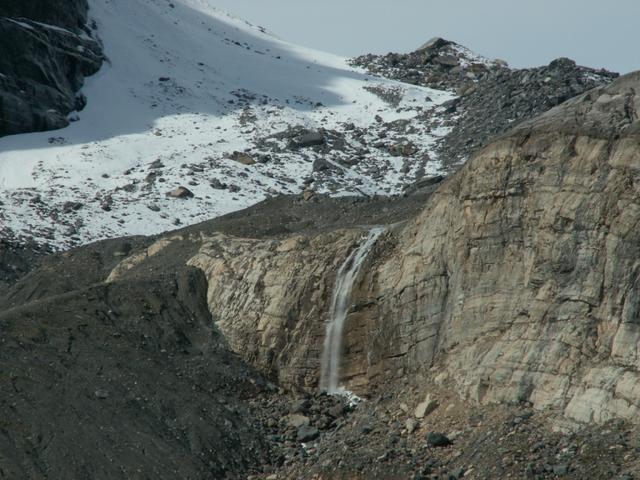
191 97
516 283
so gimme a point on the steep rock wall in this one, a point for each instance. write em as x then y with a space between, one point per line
520 279
270 298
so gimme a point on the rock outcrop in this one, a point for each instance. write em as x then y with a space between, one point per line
270 298
47 51
518 280
491 97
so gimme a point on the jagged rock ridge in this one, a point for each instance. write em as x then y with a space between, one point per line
491 97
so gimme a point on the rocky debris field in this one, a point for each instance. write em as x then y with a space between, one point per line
16 260
120 380
389 436
491 98
143 349
439 63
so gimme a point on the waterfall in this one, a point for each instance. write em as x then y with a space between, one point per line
340 302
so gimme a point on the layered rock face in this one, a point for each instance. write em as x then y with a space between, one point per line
271 298
47 51
520 279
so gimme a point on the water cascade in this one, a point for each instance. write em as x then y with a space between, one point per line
340 302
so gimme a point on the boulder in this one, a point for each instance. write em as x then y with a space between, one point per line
296 420
425 408
434 44
241 157
307 139
180 192
437 439
307 434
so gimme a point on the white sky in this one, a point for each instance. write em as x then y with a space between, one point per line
595 33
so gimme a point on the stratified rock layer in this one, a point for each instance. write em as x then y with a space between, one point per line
520 278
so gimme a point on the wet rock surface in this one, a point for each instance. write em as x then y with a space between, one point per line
48 50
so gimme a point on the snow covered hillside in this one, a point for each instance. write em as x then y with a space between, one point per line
192 97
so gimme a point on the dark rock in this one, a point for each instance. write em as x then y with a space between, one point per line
428 181
308 139
436 439
43 68
307 433
217 184
322 165
106 203
456 474
405 149
434 44
69 207
156 164
561 469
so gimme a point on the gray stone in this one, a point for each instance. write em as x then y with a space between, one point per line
296 420
426 407
307 433
241 157
562 469
308 139
411 425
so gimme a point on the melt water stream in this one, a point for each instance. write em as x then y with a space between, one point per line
340 303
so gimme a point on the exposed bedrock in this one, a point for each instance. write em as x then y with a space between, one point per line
519 279
47 51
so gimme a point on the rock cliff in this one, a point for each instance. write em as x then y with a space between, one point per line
47 51
515 284
518 280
